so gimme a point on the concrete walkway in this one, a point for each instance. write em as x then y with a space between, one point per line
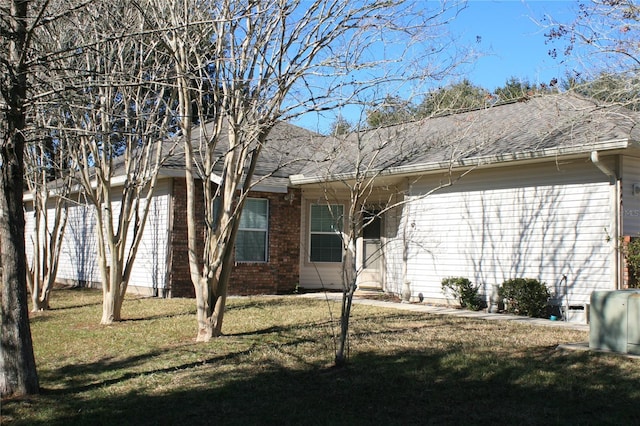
441 310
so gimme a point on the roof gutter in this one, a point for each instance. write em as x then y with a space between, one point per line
474 162
595 159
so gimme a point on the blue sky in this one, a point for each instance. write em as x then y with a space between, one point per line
508 40
513 44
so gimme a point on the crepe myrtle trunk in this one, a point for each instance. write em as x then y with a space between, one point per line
46 253
39 290
210 308
211 293
113 293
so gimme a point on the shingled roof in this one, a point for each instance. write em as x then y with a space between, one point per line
542 127
288 150
535 129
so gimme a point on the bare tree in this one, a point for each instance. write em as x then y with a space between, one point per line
356 172
363 158
602 33
114 114
49 183
242 66
24 26
602 43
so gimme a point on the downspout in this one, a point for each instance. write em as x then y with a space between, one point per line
613 180
169 264
405 292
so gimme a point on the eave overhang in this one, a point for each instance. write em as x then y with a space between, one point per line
499 160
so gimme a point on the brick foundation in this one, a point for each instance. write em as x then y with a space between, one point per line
279 275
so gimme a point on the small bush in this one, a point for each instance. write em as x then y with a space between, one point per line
631 251
463 290
525 296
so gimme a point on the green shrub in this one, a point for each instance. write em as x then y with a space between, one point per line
463 290
525 296
631 251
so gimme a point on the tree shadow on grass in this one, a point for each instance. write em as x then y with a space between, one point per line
263 377
281 329
60 298
40 316
266 302
189 313
76 377
539 386
73 306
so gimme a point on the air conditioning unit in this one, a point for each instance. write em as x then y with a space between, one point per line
614 321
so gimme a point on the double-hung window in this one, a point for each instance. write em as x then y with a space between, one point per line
252 238
326 232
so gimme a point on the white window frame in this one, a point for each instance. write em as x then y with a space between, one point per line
338 232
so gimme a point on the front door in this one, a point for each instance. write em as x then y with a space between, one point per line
371 262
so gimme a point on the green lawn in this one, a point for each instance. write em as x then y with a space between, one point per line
273 366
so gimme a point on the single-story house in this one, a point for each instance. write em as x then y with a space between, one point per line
161 265
542 188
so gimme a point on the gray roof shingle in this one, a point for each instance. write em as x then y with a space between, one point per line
542 126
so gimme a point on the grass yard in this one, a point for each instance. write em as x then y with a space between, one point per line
273 366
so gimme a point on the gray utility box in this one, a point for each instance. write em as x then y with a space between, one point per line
614 321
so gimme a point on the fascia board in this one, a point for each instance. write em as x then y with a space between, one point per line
475 162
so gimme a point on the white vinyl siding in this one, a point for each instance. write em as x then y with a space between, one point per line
150 267
78 258
252 239
540 221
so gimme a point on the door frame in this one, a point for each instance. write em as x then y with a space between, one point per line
371 278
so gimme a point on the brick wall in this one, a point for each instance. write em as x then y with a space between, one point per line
277 276
179 279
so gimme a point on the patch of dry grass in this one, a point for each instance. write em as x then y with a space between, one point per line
273 366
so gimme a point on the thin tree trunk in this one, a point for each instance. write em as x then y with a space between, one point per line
53 244
220 296
41 275
211 297
202 302
347 299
